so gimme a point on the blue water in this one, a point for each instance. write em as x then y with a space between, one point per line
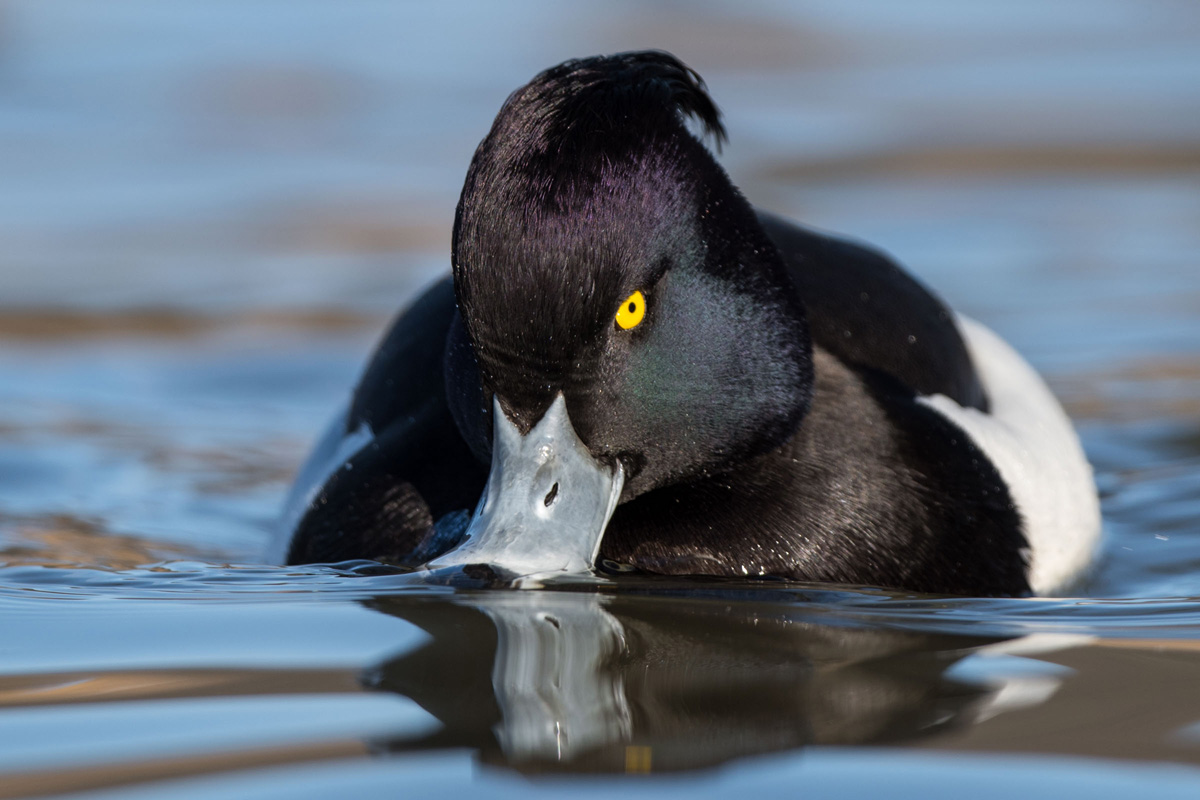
209 212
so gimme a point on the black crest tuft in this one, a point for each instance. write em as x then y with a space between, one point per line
606 92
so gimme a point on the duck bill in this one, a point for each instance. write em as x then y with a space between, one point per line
546 503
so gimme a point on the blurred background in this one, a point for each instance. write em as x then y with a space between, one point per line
209 209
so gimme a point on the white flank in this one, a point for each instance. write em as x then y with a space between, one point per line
1029 439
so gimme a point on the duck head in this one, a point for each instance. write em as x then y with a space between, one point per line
625 323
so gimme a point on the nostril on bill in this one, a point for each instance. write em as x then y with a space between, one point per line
551 495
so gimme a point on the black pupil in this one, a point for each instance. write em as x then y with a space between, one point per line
632 307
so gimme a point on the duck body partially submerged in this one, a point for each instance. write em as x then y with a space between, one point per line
633 368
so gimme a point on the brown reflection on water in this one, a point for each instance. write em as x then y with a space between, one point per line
1160 388
60 540
969 162
69 688
156 324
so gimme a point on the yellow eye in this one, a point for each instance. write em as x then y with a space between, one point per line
631 311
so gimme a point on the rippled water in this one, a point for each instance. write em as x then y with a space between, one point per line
209 211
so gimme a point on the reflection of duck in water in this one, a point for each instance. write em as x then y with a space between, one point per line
575 681
660 375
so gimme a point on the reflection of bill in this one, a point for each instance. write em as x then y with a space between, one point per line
586 682
558 694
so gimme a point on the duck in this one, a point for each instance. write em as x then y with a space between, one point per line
630 368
